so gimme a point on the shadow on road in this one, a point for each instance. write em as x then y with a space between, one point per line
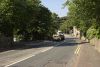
30 45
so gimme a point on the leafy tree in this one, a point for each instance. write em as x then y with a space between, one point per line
26 19
15 16
55 24
42 24
84 14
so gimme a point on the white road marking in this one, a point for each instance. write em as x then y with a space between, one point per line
47 49
44 50
19 61
51 47
7 51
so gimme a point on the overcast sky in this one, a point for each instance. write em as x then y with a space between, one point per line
56 6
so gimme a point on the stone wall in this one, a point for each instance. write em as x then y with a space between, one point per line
95 42
5 41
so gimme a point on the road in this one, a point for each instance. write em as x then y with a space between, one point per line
58 55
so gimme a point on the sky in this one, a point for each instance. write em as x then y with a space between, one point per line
56 6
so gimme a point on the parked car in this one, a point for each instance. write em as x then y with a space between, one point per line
59 36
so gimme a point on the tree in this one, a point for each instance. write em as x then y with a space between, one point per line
84 14
26 19
15 16
55 23
42 24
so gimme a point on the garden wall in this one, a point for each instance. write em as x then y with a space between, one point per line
95 42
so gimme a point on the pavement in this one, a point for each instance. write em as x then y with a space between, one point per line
88 56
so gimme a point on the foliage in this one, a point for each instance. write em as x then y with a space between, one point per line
84 14
91 32
64 25
55 22
26 19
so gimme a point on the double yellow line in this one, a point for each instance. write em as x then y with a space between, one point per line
77 50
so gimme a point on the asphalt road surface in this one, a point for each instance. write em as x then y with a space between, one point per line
42 54
58 56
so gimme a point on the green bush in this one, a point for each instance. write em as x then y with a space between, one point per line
91 33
